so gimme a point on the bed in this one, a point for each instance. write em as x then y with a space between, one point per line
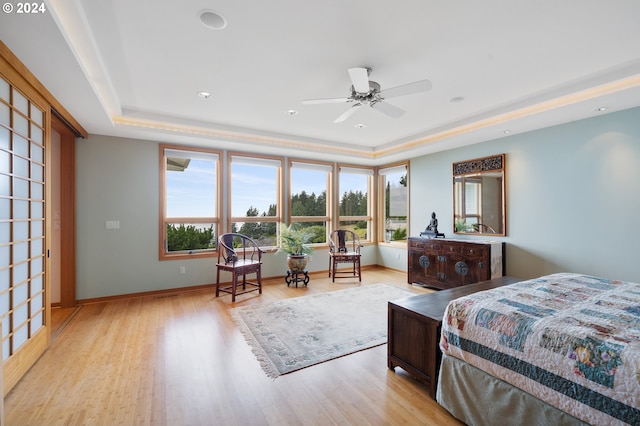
559 349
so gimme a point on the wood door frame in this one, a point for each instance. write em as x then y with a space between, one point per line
67 212
19 76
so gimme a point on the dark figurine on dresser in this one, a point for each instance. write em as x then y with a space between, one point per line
432 229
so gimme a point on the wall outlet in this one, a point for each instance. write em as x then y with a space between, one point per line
183 270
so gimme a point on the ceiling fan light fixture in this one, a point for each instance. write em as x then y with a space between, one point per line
212 19
365 92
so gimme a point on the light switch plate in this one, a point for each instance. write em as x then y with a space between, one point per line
112 224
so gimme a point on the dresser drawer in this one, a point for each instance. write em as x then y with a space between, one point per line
424 245
419 245
451 248
473 251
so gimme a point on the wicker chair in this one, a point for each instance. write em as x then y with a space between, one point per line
241 256
344 247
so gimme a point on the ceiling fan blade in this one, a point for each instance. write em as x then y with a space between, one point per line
387 108
325 101
407 89
360 79
348 113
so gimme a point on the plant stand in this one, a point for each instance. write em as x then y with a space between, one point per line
297 277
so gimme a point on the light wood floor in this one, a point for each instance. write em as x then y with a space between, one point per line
60 318
180 360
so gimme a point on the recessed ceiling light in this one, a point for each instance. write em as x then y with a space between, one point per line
456 99
291 112
600 109
360 126
204 95
213 20
506 132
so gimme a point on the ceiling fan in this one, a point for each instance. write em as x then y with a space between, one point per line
367 92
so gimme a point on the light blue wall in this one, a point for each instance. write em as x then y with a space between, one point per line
573 199
573 196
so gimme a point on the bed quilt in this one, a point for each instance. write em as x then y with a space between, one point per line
571 340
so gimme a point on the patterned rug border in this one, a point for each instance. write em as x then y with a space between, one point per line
267 365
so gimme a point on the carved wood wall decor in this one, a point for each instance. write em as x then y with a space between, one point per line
495 162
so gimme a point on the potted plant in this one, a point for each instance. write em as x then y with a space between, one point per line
294 243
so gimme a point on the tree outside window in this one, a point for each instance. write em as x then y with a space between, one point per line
355 200
393 181
309 185
190 201
255 198
192 191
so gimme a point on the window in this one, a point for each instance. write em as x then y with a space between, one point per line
309 204
395 206
190 201
255 197
252 189
468 203
355 201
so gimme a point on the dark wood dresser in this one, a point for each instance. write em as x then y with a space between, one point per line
444 263
414 330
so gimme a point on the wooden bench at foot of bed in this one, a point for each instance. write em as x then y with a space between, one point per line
414 330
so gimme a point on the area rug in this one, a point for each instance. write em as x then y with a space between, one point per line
292 334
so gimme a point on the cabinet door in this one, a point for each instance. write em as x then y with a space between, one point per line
465 268
423 262
424 267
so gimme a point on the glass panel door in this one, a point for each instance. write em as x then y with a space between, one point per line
22 219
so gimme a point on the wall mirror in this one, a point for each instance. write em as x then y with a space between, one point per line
479 196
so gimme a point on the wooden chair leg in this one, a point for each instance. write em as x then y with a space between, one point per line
359 271
259 280
218 283
333 271
233 286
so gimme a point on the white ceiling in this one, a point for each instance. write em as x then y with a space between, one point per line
134 68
